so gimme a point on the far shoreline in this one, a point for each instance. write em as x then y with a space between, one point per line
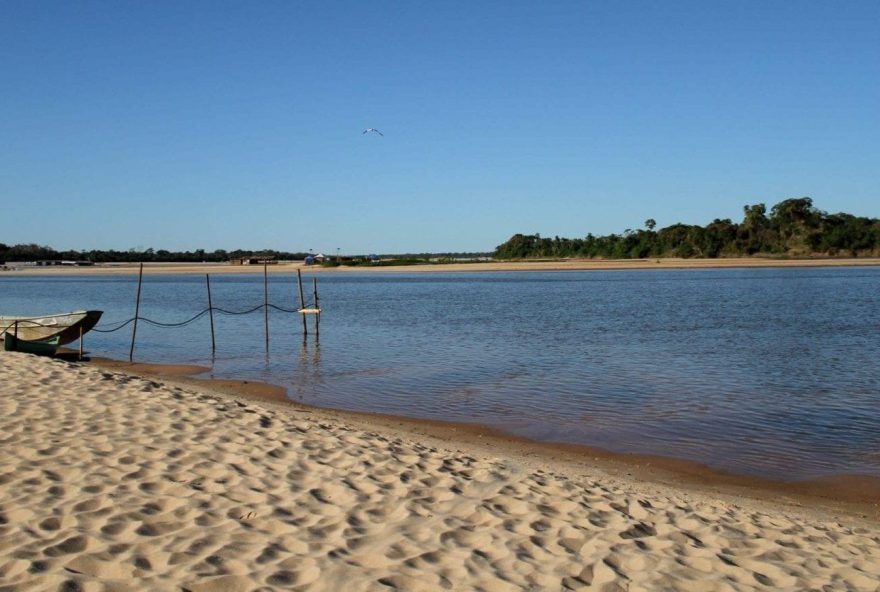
463 267
857 495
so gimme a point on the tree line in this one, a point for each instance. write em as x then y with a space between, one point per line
793 227
34 252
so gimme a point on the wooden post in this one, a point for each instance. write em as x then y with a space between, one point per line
80 343
302 301
137 309
317 315
266 301
15 337
211 313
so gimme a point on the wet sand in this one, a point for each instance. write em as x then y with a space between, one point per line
110 481
556 265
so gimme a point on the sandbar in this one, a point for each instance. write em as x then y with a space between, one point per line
482 266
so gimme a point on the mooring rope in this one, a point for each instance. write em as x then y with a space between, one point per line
243 312
180 324
163 325
121 325
155 323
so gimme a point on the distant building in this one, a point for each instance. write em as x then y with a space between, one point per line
254 261
313 259
47 263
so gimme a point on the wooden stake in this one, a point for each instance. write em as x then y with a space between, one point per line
80 343
211 313
266 301
137 308
302 301
317 316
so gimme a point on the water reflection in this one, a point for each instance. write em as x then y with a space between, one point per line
308 373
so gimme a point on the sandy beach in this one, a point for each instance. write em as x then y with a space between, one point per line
110 481
558 265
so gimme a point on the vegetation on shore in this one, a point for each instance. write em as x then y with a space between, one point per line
35 252
794 227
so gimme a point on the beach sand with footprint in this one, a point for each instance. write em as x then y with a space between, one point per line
113 482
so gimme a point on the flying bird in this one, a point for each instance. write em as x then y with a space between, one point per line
372 129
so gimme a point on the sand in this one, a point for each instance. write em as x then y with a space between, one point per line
110 481
557 265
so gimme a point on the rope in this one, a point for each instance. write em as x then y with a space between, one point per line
123 324
155 323
28 324
281 309
232 312
181 324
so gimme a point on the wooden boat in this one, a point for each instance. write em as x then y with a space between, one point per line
41 348
68 326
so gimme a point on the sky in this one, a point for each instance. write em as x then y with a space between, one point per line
223 125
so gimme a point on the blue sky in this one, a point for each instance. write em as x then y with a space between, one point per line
186 125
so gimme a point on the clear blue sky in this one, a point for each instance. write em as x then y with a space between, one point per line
186 125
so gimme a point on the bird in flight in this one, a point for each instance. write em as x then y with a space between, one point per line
372 129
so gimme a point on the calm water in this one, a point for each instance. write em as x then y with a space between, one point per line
763 371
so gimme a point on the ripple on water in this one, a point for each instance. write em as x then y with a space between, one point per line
764 371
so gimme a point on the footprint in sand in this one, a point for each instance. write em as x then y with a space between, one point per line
75 544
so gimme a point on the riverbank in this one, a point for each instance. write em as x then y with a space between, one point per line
487 266
111 481
857 495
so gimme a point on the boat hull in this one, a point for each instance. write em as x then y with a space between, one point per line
67 327
40 348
